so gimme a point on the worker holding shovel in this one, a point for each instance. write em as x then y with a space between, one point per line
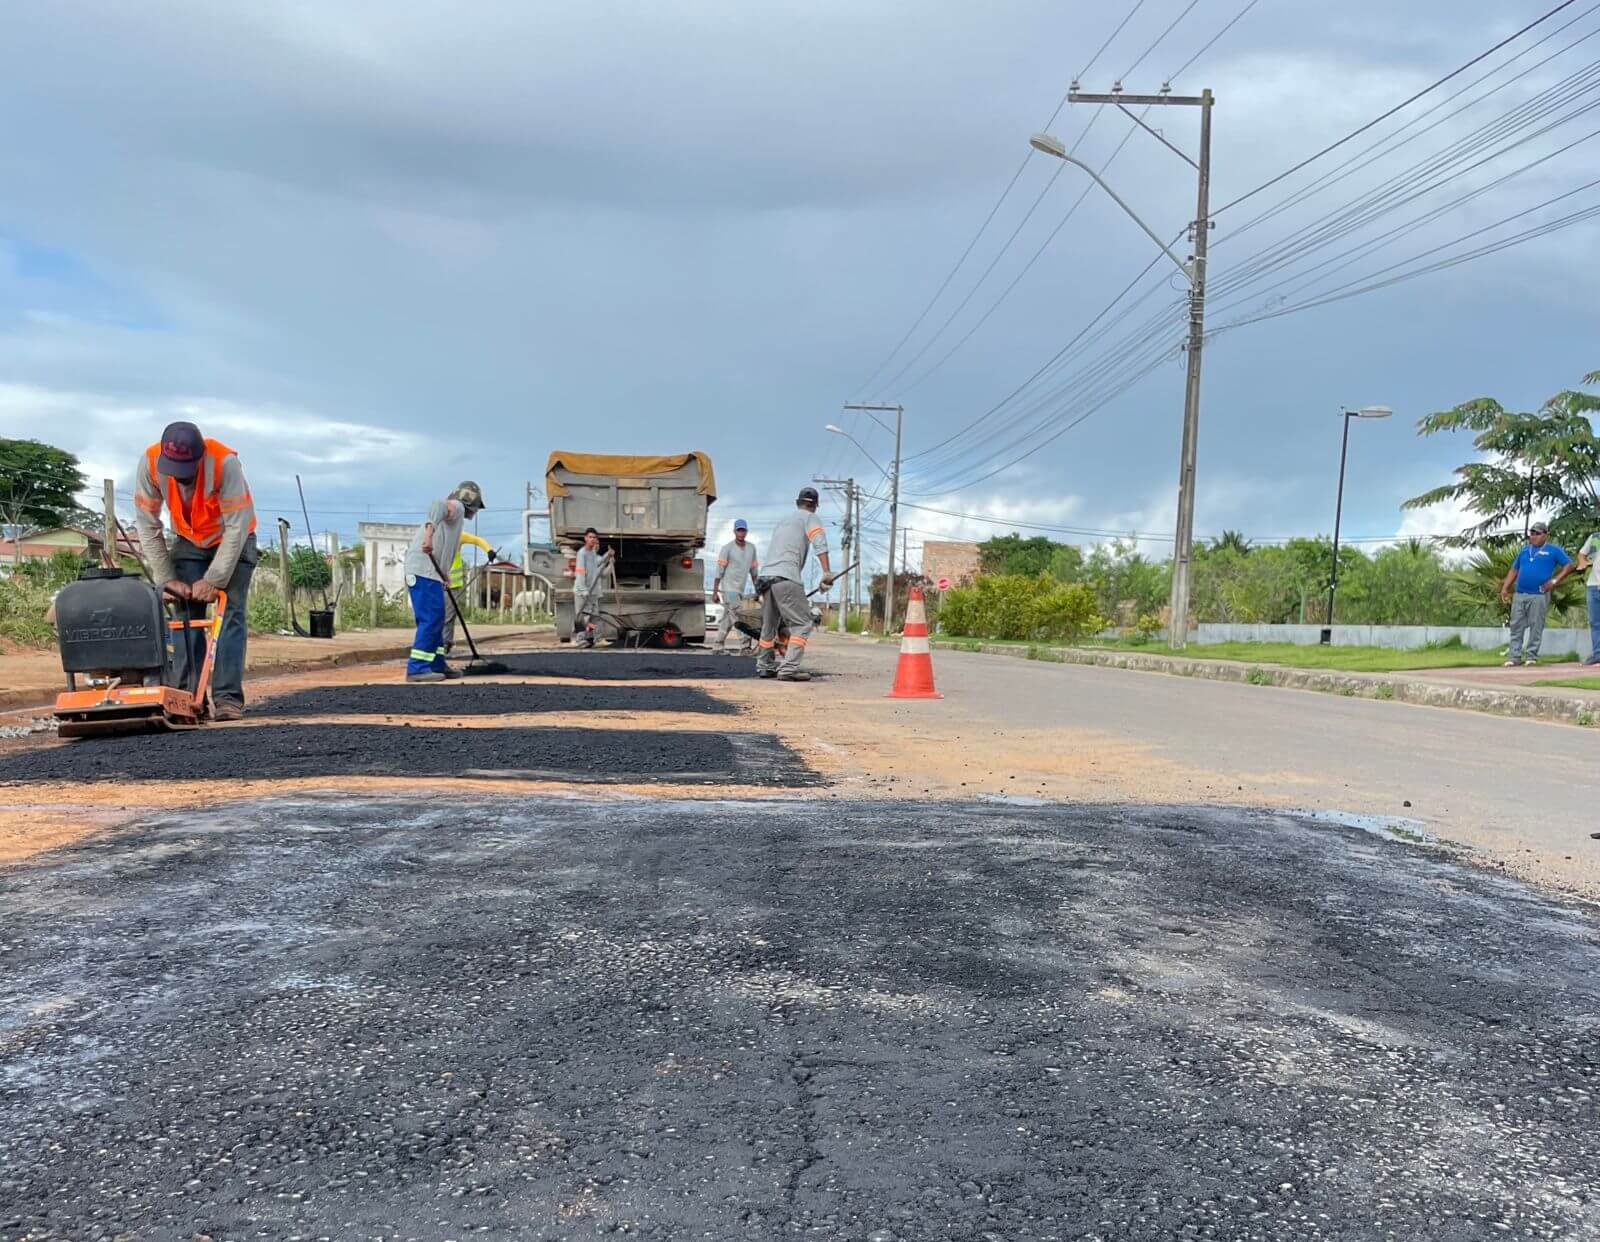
587 588
435 544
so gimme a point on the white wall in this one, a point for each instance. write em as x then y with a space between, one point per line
387 541
1400 637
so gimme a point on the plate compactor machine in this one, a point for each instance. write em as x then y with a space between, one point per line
112 631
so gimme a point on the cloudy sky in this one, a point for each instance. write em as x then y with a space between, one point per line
391 245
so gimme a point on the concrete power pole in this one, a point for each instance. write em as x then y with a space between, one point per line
1183 548
851 537
899 412
109 548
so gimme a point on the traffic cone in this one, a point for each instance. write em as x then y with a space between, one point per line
913 676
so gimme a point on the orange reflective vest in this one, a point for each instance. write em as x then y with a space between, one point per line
200 522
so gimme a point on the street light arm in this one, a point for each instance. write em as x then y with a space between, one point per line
840 431
1052 146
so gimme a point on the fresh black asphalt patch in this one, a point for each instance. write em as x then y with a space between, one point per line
526 1018
604 665
492 698
289 751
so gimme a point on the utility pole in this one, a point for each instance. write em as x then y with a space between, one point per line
1183 548
861 547
899 412
108 552
848 486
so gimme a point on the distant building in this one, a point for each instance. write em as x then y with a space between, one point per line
957 561
42 544
385 544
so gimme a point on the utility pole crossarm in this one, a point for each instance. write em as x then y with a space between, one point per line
1121 97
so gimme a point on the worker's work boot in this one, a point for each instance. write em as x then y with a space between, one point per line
796 674
227 711
766 672
452 674
419 678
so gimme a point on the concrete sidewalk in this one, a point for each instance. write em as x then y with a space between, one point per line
1501 691
33 679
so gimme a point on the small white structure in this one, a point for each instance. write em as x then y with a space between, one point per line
386 544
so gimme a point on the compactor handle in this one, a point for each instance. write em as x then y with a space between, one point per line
201 623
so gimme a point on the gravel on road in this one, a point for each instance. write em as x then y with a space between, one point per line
545 1019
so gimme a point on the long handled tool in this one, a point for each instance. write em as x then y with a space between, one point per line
477 666
747 617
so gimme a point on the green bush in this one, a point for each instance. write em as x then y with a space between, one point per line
25 597
264 612
1067 613
855 623
1020 608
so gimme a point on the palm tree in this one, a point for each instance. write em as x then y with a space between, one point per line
1231 540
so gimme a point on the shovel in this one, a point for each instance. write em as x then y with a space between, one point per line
477 666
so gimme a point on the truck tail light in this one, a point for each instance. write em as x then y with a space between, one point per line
687 562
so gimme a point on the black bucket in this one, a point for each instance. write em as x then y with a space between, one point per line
321 621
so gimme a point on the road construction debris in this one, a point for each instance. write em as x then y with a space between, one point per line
525 1018
282 751
488 699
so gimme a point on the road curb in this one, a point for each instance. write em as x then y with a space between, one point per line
1562 709
44 696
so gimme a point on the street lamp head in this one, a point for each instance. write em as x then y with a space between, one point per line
1374 411
838 431
1049 144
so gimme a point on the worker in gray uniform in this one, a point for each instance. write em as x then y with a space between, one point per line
588 589
736 566
782 589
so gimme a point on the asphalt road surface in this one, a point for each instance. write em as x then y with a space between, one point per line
284 750
1530 778
553 1019
487 698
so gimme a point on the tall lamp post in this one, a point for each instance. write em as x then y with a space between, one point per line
1194 272
1366 411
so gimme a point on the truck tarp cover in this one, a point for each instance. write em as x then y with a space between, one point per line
622 466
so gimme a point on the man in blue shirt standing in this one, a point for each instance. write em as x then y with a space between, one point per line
1537 571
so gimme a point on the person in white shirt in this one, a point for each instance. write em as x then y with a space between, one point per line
736 568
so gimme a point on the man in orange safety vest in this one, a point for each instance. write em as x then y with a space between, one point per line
200 484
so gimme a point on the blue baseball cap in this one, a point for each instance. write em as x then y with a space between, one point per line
741 524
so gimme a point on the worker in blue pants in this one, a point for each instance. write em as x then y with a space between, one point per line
427 648
434 545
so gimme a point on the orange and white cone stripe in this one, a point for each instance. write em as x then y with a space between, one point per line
913 675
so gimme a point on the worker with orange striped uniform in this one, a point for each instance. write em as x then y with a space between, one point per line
782 591
201 484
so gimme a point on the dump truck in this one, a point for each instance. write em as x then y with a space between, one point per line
650 513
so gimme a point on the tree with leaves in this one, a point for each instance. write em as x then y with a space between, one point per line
308 569
39 484
1012 554
1546 461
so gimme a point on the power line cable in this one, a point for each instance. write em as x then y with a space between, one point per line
993 211
1403 104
